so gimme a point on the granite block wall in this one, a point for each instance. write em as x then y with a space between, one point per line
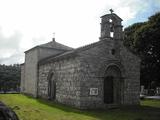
131 64
66 73
31 60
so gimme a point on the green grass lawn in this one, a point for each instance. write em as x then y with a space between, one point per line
28 108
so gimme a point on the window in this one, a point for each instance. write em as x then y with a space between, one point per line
111 34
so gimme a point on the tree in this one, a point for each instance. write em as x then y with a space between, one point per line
9 77
144 40
129 33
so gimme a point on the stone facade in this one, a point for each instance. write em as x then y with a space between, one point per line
94 76
66 74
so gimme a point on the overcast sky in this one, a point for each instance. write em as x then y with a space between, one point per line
27 23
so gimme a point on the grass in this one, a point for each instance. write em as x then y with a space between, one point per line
28 108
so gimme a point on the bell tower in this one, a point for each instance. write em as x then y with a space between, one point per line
111 26
111 31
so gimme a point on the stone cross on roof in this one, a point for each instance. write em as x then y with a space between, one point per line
111 10
54 34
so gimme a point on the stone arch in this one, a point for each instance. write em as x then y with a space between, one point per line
118 65
113 85
51 85
107 64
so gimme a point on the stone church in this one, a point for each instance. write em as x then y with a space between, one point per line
97 75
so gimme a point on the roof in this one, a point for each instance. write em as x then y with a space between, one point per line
70 53
112 15
52 45
57 57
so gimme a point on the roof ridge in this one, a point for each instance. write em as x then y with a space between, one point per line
56 45
85 47
54 48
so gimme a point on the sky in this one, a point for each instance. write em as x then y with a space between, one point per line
27 23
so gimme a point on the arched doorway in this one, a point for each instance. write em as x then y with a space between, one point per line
112 85
51 87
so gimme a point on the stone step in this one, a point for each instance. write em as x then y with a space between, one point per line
112 106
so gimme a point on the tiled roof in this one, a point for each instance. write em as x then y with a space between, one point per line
53 45
69 53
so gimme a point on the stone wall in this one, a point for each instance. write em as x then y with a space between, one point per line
67 73
31 67
31 60
131 65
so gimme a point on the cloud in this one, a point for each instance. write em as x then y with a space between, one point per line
11 42
13 59
139 11
27 23
127 9
9 47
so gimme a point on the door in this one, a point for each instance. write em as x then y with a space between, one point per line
108 90
51 88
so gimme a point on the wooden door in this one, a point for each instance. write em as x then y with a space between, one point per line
53 90
108 90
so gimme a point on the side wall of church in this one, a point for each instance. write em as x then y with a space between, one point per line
131 64
31 60
66 73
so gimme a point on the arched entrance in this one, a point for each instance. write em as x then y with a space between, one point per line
51 87
112 85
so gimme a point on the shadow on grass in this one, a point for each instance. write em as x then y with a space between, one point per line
121 113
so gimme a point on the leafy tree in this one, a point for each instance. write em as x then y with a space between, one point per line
9 77
144 40
129 40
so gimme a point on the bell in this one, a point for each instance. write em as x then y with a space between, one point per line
111 29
